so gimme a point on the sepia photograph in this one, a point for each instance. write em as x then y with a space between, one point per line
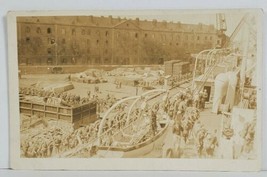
126 87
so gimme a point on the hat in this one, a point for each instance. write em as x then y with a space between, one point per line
228 132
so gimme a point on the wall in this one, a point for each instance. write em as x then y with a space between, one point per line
107 40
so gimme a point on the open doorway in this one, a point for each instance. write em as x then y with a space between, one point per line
208 88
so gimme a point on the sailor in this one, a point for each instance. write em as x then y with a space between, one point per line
182 105
53 94
77 99
27 91
89 94
154 121
93 151
108 97
196 100
57 144
43 150
252 102
66 145
171 110
166 105
176 105
180 112
72 99
189 97
25 147
212 142
203 97
201 134
96 89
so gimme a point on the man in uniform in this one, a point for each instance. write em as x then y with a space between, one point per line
203 97
89 94
180 113
154 119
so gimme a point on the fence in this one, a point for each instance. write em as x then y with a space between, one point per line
77 115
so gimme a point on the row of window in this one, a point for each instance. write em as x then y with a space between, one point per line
118 34
38 30
63 41
106 51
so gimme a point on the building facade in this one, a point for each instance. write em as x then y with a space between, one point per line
89 40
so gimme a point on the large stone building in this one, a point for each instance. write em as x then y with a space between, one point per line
108 41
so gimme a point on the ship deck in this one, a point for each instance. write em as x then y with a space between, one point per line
210 122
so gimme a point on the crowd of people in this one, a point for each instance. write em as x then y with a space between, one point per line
177 80
55 141
56 98
184 109
105 103
249 99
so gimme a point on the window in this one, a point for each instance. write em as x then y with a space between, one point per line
49 60
27 39
49 41
177 44
27 30
106 33
63 41
145 34
73 32
97 41
63 31
53 41
83 32
198 38
48 30
118 34
38 30
163 36
63 60
136 35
